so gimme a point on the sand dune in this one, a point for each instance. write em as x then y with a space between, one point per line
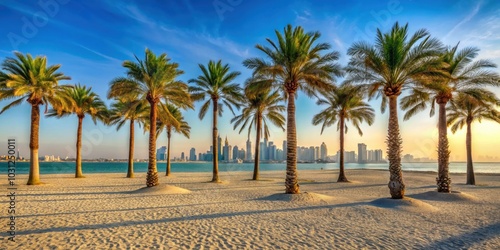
108 211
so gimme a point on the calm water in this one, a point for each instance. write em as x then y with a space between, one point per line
121 167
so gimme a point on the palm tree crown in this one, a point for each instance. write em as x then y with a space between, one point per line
215 84
295 63
343 105
30 79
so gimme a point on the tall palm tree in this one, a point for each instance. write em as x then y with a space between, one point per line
30 79
154 80
391 64
461 75
171 119
81 101
215 84
295 63
343 105
132 110
463 110
258 108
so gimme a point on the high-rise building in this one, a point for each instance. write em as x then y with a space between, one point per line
200 157
265 156
311 155
226 155
271 151
219 147
235 153
161 153
262 149
316 153
349 156
378 157
362 156
182 156
323 152
279 155
285 150
241 154
192 154
249 155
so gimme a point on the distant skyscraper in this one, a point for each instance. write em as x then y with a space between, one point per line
225 151
192 154
161 153
249 155
324 151
262 149
362 156
378 157
242 154
219 146
284 148
235 153
182 156
271 151
200 157
316 153
349 156
265 156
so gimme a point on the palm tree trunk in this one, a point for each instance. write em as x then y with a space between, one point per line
130 172
394 141
342 177
215 133
471 180
152 176
443 180
78 173
292 187
34 175
257 140
169 134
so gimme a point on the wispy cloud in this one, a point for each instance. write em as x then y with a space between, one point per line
465 20
98 53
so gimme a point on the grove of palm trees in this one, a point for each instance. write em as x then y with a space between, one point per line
414 69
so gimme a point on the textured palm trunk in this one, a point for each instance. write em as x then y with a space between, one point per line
169 134
257 148
471 180
394 141
291 183
215 177
152 176
342 177
443 180
34 175
78 172
130 172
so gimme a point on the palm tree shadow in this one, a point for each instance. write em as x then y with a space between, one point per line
468 239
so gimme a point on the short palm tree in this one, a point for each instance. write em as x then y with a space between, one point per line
295 63
461 75
132 110
343 105
30 79
81 101
258 108
215 84
463 110
154 80
171 119
391 64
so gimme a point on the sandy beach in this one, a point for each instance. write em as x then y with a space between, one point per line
109 211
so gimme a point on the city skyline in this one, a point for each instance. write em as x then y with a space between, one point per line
93 55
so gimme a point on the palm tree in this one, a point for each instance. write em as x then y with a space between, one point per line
81 101
215 84
169 119
392 63
343 105
258 108
463 110
461 75
295 64
132 110
30 79
154 80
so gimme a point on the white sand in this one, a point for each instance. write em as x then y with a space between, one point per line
108 211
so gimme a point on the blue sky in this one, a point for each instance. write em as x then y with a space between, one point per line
91 39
